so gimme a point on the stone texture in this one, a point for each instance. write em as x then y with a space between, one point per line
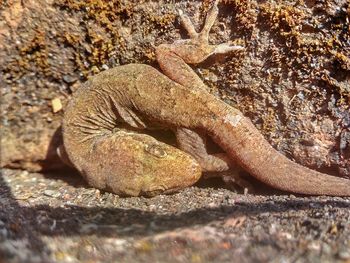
293 81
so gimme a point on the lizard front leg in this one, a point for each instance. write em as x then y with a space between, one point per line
214 165
194 143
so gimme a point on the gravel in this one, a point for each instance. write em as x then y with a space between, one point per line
58 218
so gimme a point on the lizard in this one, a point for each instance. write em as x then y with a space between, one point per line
105 121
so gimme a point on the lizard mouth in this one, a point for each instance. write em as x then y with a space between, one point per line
158 192
161 190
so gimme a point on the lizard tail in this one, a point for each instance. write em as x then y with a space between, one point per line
245 144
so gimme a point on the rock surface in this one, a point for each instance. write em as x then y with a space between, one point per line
293 81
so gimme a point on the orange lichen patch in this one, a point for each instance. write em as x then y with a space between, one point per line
101 39
164 20
342 59
150 54
70 39
245 10
286 18
306 49
36 51
160 22
33 57
102 11
269 121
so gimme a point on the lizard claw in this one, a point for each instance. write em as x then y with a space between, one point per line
226 48
188 25
209 21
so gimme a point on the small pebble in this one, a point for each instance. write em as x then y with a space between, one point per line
56 105
344 254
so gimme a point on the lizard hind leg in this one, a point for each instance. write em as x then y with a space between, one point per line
174 58
209 22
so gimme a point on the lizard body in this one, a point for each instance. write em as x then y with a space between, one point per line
103 124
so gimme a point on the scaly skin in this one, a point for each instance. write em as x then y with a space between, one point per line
103 123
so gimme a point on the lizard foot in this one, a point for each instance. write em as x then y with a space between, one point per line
198 45
233 179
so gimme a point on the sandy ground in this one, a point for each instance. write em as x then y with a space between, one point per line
58 218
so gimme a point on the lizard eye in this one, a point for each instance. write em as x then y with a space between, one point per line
156 150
